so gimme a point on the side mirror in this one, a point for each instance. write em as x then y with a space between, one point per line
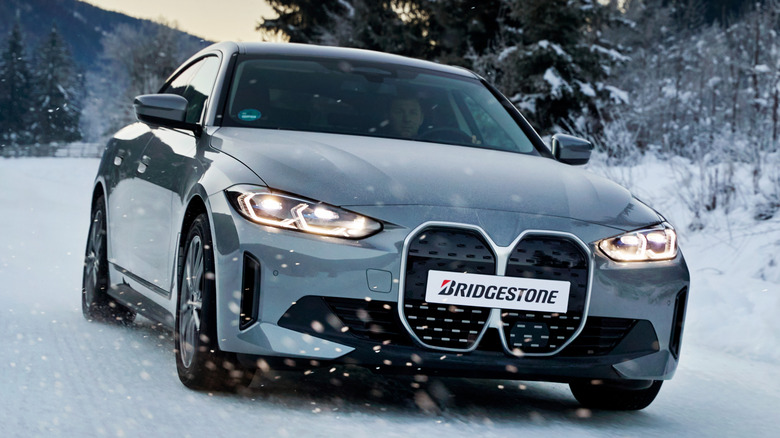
165 110
571 150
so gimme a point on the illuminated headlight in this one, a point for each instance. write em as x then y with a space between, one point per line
262 206
657 243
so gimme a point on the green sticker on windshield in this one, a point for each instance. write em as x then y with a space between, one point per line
249 115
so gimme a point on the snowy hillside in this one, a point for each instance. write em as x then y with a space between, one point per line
63 376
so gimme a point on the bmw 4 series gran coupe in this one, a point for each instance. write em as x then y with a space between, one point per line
292 206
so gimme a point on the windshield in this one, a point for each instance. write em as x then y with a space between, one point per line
379 100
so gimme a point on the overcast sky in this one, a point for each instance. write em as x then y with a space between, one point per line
213 20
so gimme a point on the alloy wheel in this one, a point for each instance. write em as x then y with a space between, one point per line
191 300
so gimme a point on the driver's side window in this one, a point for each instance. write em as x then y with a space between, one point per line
195 84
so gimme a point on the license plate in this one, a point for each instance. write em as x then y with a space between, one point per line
497 292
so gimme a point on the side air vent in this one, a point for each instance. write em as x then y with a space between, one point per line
250 292
679 318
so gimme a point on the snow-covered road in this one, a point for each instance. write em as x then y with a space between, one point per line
63 376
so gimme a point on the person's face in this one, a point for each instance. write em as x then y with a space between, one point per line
405 117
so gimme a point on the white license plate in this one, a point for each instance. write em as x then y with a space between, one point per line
497 292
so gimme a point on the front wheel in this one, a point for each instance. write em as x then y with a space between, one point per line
199 361
613 398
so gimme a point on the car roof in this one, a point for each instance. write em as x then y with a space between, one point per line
340 53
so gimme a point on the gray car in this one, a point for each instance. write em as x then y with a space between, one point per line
287 206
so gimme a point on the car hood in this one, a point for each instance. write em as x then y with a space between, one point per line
346 170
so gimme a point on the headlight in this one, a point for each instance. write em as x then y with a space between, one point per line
657 243
265 207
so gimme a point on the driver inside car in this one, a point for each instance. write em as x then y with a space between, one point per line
405 117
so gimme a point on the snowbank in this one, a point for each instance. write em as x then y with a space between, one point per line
734 260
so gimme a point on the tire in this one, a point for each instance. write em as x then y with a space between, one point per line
200 363
96 304
611 398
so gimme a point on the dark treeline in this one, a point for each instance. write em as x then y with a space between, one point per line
694 13
46 101
40 94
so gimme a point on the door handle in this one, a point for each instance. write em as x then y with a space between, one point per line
120 156
143 164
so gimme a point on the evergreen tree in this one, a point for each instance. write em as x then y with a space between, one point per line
393 26
398 26
57 92
556 65
15 98
550 54
460 27
440 30
302 20
692 14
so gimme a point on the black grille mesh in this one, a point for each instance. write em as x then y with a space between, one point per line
444 249
377 321
370 320
599 336
462 250
548 258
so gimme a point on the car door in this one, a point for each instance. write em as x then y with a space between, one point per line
123 155
169 167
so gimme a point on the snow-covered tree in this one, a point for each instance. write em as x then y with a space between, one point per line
57 92
555 65
549 54
134 61
15 96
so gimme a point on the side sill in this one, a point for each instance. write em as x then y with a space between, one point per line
138 303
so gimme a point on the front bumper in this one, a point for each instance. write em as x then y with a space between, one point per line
630 328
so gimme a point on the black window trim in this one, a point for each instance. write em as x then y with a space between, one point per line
183 68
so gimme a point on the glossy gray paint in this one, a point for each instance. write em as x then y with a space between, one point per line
296 265
358 171
570 150
168 106
152 174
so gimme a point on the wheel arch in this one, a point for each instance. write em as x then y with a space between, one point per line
195 207
97 192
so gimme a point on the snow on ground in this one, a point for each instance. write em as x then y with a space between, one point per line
734 261
63 376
